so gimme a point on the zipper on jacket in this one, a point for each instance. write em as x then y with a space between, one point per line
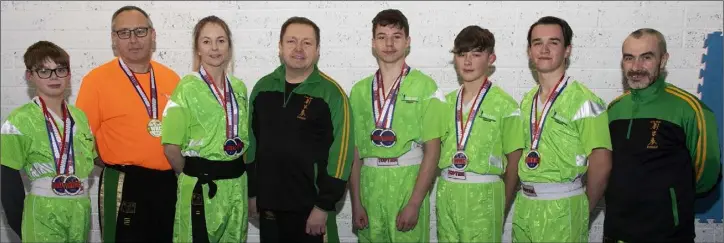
633 115
287 97
630 124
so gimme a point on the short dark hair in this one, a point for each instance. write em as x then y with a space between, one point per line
299 20
565 28
131 8
391 17
474 38
649 31
41 51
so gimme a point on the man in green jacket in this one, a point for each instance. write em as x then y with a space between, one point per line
665 150
301 143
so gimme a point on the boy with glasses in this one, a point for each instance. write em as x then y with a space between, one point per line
52 142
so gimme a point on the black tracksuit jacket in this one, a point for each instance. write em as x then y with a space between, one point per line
301 142
665 151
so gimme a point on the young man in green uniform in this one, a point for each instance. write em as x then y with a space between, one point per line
205 130
301 143
665 143
52 141
566 135
483 142
397 112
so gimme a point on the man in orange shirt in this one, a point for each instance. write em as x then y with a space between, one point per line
124 100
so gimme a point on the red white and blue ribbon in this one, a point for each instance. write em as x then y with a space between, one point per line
228 102
152 104
384 112
536 126
463 130
61 144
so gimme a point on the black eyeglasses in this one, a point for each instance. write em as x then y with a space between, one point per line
45 73
126 33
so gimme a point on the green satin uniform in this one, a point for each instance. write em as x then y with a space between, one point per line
385 191
25 146
576 124
194 120
473 211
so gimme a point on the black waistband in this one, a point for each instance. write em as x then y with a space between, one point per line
134 169
209 170
610 240
607 239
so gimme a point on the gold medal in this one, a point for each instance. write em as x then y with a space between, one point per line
154 127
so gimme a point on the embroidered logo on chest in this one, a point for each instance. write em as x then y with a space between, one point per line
654 129
303 113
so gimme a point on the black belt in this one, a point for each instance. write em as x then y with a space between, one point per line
138 170
610 240
607 239
207 171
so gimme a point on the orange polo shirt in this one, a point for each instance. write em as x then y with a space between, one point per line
118 118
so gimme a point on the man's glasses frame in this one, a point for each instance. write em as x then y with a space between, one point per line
140 32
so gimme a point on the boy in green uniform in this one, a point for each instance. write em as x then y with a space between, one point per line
52 141
566 137
483 142
396 113
204 135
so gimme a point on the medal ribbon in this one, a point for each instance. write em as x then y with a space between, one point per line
536 126
152 105
383 114
63 155
463 130
229 103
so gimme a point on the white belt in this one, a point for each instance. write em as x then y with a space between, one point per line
412 157
552 191
467 177
42 187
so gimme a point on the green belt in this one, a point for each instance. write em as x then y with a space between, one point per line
109 199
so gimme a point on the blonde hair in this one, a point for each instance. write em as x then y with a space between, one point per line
197 32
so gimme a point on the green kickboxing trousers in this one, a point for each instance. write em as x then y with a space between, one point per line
226 213
384 192
469 212
537 219
51 218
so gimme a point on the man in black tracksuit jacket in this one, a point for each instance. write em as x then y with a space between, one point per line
665 150
301 143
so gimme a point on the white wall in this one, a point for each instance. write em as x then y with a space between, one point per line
83 29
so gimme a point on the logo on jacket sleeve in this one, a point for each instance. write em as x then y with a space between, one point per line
654 129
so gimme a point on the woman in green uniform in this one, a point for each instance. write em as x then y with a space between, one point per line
204 135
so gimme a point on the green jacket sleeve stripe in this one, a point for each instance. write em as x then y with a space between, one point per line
700 150
617 99
342 142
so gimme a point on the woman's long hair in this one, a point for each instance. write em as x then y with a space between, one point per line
197 31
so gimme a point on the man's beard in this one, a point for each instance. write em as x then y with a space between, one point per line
642 83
